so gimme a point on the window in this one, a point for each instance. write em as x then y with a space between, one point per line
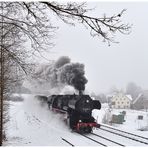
122 102
118 106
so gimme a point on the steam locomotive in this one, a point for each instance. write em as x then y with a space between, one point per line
78 109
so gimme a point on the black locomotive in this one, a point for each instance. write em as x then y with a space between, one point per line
78 109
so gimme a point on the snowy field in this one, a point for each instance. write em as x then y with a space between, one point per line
132 124
32 124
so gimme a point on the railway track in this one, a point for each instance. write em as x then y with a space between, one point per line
131 136
88 137
92 138
125 132
105 141
67 142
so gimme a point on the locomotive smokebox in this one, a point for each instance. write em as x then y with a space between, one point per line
96 104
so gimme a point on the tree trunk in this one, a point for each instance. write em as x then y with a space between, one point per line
1 102
1 83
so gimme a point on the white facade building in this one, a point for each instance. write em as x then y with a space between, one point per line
121 101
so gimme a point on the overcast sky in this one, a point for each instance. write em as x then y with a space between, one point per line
108 66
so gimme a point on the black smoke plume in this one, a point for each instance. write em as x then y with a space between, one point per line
73 74
58 74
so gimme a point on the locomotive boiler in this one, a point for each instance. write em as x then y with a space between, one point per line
78 109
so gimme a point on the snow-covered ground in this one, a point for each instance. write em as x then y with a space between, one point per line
31 123
132 123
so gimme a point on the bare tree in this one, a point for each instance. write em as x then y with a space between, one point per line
24 23
104 27
8 64
133 89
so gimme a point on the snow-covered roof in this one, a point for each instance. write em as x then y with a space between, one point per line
137 98
130 97
144 94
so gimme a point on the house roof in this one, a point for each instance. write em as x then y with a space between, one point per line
137 98
144 95
130 97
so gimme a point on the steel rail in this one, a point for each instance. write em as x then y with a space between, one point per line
124 136
124 132
92 139
107 139
67 141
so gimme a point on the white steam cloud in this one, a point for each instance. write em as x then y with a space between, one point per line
54 77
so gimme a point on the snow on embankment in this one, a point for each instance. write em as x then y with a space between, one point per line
31 123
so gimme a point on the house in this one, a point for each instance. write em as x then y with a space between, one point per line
141 102
120 100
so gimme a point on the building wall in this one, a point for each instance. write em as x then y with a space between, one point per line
120 101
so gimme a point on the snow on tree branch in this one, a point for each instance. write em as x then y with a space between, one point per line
105 26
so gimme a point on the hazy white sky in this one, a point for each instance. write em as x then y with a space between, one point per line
114 65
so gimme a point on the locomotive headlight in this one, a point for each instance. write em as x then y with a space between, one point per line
80 120
87 101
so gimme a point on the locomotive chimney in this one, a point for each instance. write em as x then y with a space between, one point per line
80 92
